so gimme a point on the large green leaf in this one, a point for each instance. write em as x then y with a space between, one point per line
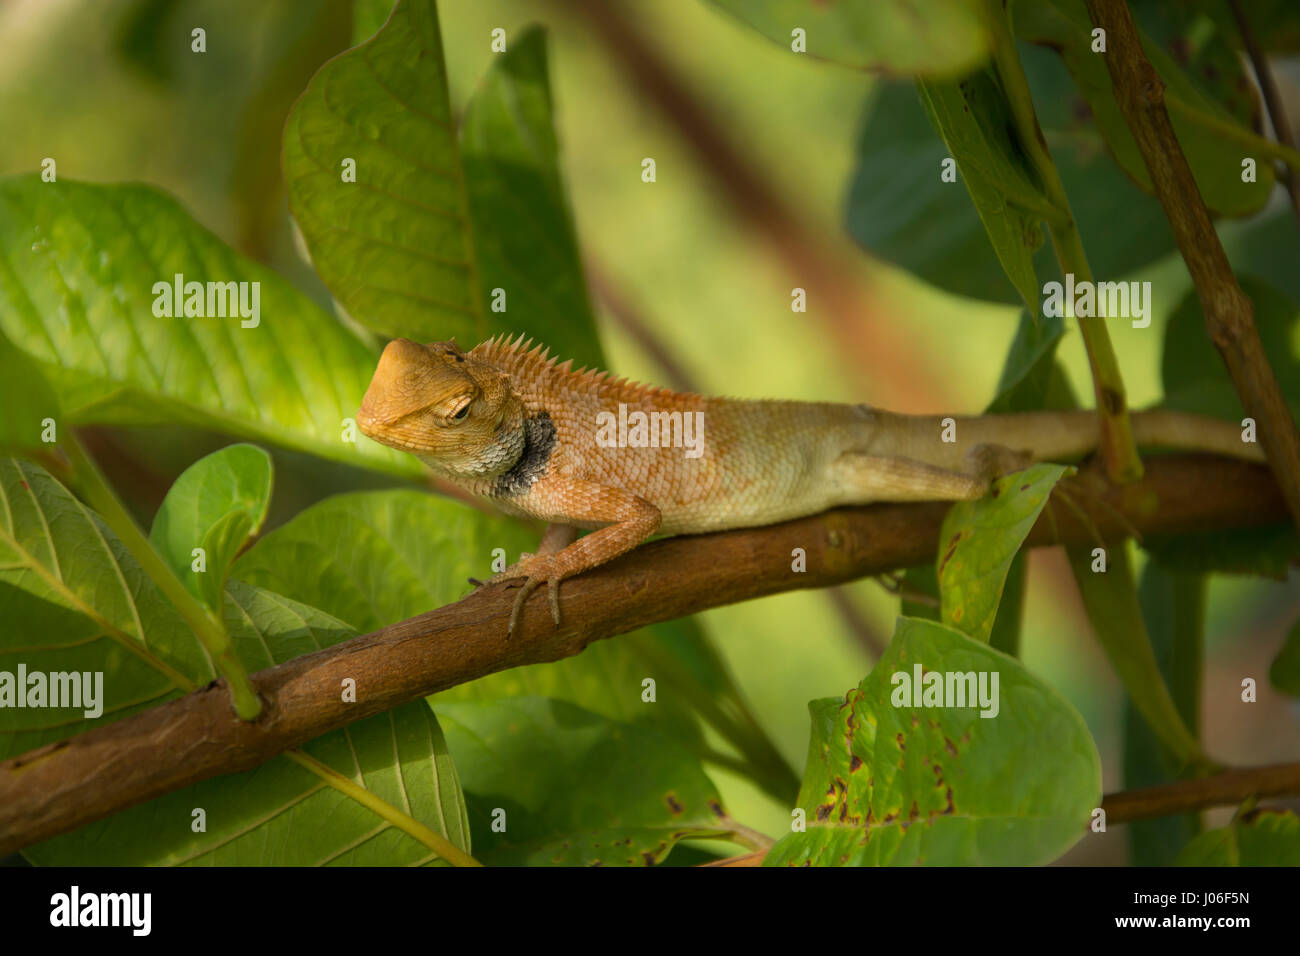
523 232
374 558
974 119
74 599
979 540
78 266
216 505
417 244
891 782
1284 673
901 210
282 814
393 246
27 399
1196 380
1192 370
1215 158
1267 838
575 787
928 37
1111 601
1173 605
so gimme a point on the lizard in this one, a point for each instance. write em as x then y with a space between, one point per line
580 449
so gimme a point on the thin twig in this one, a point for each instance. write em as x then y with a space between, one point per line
1229 313
67 784
1272 101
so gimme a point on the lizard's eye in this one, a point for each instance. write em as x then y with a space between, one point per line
462 414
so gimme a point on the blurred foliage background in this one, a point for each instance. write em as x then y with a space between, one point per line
691 276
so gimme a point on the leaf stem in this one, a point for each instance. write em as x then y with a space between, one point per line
90 482
385 810
1118 447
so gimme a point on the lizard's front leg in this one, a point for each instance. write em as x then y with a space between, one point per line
631 519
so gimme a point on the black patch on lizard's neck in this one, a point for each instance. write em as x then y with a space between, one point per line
539 442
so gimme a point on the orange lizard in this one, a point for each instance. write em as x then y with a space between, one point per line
580 449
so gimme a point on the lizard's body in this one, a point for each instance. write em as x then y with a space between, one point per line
506 422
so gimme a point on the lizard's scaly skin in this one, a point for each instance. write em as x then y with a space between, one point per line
508 422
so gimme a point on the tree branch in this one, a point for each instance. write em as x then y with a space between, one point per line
1221 790
1229 313
72 782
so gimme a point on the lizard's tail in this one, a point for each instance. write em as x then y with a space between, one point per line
1053 438
1065 436
1161 428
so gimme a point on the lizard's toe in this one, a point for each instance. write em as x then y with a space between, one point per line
554 588
530 585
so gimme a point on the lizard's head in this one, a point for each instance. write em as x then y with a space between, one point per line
455 412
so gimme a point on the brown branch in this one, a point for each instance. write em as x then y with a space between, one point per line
1221 790
1229 313
1272 101
70 783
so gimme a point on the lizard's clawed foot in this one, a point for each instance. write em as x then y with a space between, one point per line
535 570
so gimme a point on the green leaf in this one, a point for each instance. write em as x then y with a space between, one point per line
890 782
394 245
1116 617
1284 674
928 37
1267 838
368 16
74 599
372 558
1196 380
900 209
575 788
281 814
27 400
979 540
1005 635
1215 157
524 237
375 558
1173 604
78 265
974 119
419 243
920 581
1031 378
1268 551
1273 22
1192 370
217 504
